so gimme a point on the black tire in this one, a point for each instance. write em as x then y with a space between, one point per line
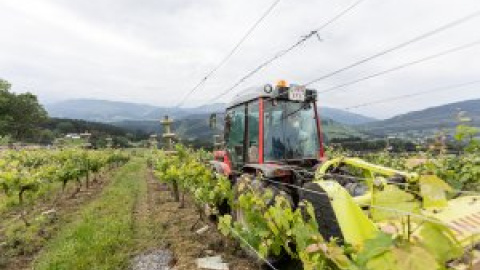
325 216
224 208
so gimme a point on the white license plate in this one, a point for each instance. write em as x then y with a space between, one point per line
296 93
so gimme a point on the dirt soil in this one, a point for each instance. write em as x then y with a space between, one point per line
61 211
165 236
175 228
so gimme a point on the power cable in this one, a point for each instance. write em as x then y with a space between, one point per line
390 99
230 54
253 249
398 46
313 33
402 66
402 212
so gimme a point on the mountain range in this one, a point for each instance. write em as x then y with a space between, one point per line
193 122
445 116
114 111
190 123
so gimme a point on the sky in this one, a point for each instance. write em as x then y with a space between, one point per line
155 51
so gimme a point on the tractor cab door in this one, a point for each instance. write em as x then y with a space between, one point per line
235 135
242 134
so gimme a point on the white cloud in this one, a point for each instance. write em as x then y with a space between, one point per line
155 51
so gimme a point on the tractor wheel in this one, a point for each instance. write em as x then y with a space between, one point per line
237 213
324 214
238 188
224 208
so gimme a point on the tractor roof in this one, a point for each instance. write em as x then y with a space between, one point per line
249 94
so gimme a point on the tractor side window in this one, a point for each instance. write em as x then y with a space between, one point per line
252 132
235 127
274 148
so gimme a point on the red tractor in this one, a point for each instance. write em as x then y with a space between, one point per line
273 136
274 132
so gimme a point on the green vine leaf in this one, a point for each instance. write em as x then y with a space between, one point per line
414 257
433 191
440 242
390 199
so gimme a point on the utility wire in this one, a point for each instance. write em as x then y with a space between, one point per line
364 179
402 66
230 54
434 90
371 206
398 46
313 33
252 248
402 212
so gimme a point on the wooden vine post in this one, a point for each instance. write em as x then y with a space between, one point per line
109 142
153 145
168 136
153 141
86 145
217 142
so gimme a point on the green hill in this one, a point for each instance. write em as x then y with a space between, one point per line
428 120
113 111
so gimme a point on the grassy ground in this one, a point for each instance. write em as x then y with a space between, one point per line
102 236
19 244
132 216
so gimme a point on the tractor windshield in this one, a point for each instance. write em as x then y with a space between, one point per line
290 131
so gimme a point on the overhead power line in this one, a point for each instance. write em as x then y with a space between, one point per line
402 66
398 46
230 54
434 90
280 54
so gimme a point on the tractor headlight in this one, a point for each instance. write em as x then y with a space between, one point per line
268 88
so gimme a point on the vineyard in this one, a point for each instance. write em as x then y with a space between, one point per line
254 214
34 183
240 135
271 229
27 175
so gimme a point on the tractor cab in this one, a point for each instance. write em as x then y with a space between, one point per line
273 125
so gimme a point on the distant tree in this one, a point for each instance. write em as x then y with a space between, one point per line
467 135
5 140
121 141
5 97
27 113
20 114
4 85
65 127
45 136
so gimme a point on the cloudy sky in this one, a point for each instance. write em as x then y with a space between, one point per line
155 51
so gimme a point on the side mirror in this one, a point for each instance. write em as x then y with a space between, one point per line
213 121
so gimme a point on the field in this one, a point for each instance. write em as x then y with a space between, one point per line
118 210
118 222
239 135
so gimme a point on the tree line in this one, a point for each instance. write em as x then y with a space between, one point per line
20 114
24 119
